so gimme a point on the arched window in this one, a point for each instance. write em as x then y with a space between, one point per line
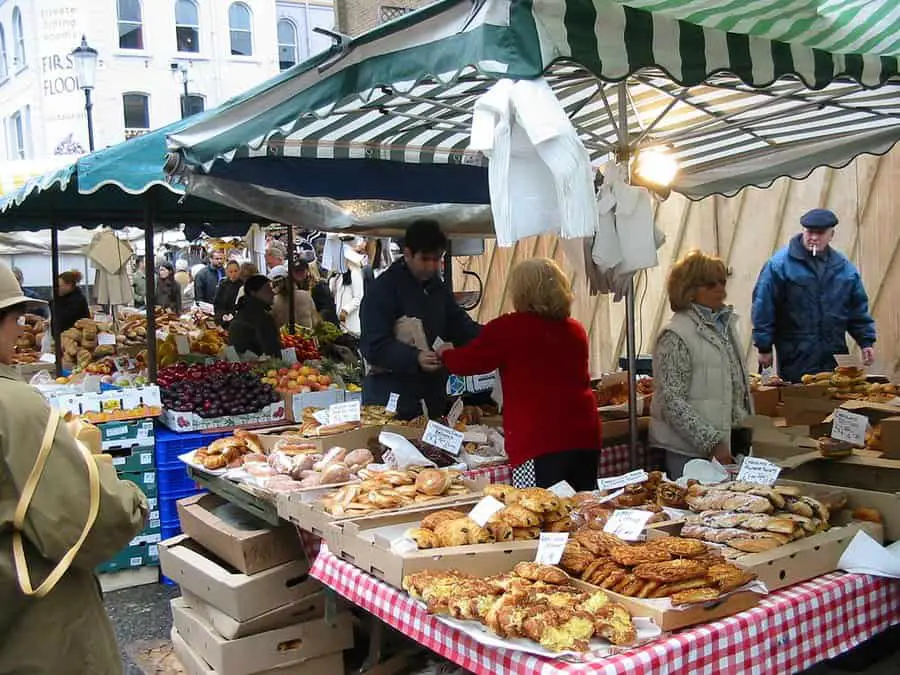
18 38
287 43
241 28
137 111
4 68
191 104
187 26
131 31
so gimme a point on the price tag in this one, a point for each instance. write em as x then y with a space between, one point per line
231 354
455 411
849 427
206 308
153 550
125 364
758 471
322 417
146 458
550 547
437 343
616 482
627 524
339 413
107 339
443 437
131 399
562 489
848 361
484 509
182 344
120 431
611 496
150 396
150 478
289 355
393 401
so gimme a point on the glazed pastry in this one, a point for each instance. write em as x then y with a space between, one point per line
636 554
504 493
517 516
537 572
704 594
538 500
423 538
526 533
671 571
454 532
432 482
500 531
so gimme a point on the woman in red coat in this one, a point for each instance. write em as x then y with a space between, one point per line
549 412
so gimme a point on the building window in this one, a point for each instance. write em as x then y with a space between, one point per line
18 38
287 44
388 13
191 104
131 32
16 135
137 111
4 68
187 26
239 23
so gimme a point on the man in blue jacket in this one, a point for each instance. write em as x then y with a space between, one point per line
411 289
807 297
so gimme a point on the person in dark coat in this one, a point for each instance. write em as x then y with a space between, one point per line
168 292
207 280
38 309
306 280
253 328
807 298
71 305
412 289
226 294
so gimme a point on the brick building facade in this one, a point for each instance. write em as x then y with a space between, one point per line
357 16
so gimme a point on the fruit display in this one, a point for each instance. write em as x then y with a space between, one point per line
684 570
214 390
392 489
534 601
298 379
306 347
849 383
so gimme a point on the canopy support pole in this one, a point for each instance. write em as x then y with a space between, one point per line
150 274
54 285
290 279
630 342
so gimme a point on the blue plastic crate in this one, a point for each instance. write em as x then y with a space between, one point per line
172 479
170 528
169 444
168 510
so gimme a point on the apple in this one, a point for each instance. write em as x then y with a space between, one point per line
272 373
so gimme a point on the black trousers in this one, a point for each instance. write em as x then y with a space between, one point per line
577 467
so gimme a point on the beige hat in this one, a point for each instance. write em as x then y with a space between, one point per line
10 291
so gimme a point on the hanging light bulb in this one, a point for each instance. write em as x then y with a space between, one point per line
656 166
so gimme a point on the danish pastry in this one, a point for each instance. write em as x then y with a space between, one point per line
518 516
671 571
526 533
423 538
538 500
500 531
504 493
454 532
696 595
432 520
537 572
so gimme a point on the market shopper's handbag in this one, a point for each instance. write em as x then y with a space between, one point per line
31 484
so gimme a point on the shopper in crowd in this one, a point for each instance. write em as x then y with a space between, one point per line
67 631
807 298
248 269
347 288
306 276
40 309
253 328
182 274
168 292
274 255
139 282
304 308
556 425
404 312
207 280
72 305
227 294
701 395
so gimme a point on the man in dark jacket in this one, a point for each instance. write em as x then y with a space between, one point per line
207 279
411 289
253 328
807 297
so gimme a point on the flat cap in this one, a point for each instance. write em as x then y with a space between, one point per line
818 219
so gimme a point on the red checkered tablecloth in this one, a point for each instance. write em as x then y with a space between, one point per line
499 473
614 459
789 631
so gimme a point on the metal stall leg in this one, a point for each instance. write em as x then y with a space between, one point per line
150 272
54 315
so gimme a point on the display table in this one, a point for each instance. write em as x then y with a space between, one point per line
789 631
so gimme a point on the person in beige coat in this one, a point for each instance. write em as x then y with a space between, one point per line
305 313
67 631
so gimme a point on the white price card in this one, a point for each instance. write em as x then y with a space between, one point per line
848 361
484 509
131 398
611 496
182 344
289 355
616 482
231 354
455 411
91 403
339 413
562 489
150 396
322 417
627 524
206 308
758 471
106 339
437 343
443 437
849 427
393 401
550 547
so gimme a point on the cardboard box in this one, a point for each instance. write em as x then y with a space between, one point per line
125 435
132 459
131 557
240 596
357 438
265 651
185 421
766 400
246 543
778 442
890 437
305 609
887 417
803 409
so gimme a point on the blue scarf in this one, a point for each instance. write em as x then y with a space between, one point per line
718 319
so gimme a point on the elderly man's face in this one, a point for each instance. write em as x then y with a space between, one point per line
817 240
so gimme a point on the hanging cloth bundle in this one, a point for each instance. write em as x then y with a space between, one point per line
28 491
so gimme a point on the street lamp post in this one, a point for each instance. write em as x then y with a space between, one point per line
84 58
184 98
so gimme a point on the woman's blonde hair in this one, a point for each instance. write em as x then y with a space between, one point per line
694 270
539 286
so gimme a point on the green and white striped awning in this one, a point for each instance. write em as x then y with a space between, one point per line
740 92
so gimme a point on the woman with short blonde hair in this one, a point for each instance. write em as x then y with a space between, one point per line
701 393
549 413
